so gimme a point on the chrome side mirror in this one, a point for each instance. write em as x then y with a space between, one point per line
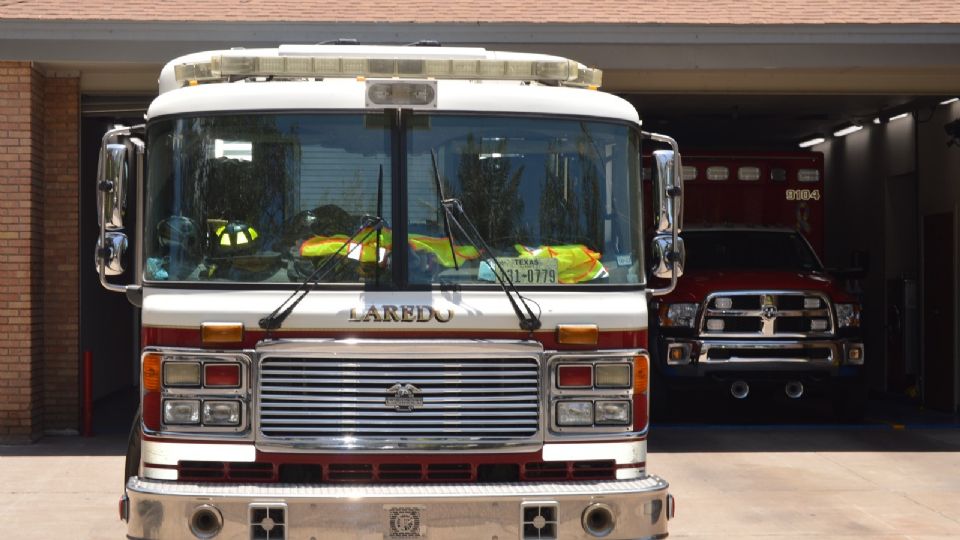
668 251
112 181
118 149
110 252
667 192
667 257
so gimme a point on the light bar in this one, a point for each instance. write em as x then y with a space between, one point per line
222 67
842 132
949 101
900 116
812 142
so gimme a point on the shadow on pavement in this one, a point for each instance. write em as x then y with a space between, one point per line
713 423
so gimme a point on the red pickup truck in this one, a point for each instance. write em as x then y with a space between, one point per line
756 309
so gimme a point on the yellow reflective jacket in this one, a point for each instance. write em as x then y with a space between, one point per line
327 246
576 263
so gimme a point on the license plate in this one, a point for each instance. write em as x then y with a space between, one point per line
522 271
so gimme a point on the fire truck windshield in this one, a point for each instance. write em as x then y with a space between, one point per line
268 197
748 250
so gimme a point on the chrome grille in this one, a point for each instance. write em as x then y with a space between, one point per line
476 398
766 314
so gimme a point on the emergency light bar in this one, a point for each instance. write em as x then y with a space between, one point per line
325 62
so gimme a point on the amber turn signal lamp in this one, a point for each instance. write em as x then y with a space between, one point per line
676 354
151 372
577 334
641 374
221 332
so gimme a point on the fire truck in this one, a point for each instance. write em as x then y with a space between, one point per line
757 309
389 292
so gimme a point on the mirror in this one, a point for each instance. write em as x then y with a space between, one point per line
666 256
667 191
111 254
112 185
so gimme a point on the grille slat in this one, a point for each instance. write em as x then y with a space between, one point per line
337 388
427 405
304 399
380 381
426 400
384 421
445 431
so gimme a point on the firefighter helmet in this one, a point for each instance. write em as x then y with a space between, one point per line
235 238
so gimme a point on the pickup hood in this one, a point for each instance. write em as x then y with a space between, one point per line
694 286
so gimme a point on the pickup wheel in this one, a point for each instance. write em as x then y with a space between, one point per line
131 465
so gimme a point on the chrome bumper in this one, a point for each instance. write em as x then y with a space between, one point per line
640 509
763 355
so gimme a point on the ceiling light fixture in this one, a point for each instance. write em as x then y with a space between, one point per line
949 101
900 116
812 142
846 130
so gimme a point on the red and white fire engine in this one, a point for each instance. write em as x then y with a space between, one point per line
756 307
389 292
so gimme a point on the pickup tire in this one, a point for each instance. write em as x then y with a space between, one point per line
131 465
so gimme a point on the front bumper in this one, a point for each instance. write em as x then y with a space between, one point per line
723 356
640 509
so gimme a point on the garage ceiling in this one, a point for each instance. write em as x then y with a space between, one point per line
765 121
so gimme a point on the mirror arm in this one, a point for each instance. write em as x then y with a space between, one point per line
675 192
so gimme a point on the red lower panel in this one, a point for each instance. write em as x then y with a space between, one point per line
384 471
190 337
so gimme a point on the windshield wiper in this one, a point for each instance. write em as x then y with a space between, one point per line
275 319
528 321
446 221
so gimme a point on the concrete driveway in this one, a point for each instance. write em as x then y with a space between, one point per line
874 481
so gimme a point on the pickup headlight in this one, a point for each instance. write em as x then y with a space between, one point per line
678 315
848 315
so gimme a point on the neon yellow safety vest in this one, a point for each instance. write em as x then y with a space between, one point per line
576 263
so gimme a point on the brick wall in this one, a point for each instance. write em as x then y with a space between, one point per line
39 289
21 226
61 293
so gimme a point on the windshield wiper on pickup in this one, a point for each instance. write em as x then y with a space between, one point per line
528 321
274 320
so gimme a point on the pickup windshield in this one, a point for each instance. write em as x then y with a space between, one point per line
748 250
268 197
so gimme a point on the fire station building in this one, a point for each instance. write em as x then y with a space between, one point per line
877 80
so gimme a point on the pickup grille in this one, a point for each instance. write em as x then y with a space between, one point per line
766 314
307 399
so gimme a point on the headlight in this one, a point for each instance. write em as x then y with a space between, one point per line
848 315
613 375
221 413
683 315
181 411
181 374
612 413
574 413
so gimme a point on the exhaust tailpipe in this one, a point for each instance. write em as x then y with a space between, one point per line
794 389
740 389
